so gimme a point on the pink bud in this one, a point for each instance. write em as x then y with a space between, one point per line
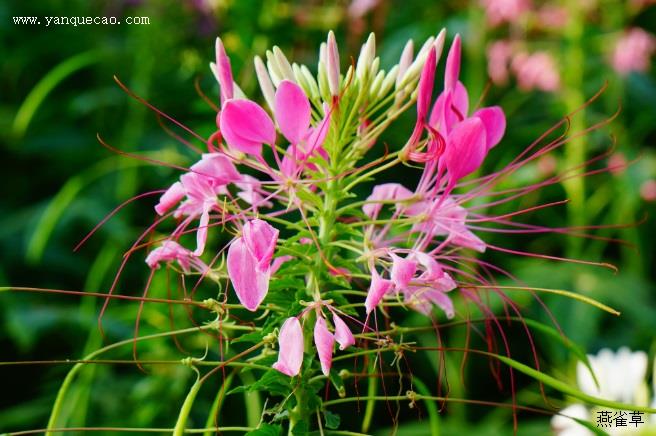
452 71
332 64
324 341
290 341
343 334
425 87
246 126
223 72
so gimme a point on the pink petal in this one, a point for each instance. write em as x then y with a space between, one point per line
465 149
494 121
384 192
170 198
290 341
246 126
324 341
379 287
168 251
426 82
278 261
343 334
217 167
403 270
292 109
442 301
317 135
452 70
251 284
260 238
224 72
432 269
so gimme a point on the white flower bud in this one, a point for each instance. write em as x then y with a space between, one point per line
265 81
367 53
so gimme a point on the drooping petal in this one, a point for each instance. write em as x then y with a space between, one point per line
170 198
442 301
292 110
465 149
343 334
494 121
452 70
217 167
201 233
250 283
403 270
324 341
384 192
425 87
290 342
260 238
377 290
246 126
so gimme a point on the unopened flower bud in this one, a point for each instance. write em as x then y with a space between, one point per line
264 80
332 64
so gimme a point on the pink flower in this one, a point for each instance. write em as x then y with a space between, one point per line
499 54
290 340
167 252
199 188
343 334
403 271
249 262
553 17
648 190
633 51
536 71
324 341
499 11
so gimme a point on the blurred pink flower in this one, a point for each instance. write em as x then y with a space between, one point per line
633 51
499 11
536 71
499 54
617 163
648 190
360 8
552 16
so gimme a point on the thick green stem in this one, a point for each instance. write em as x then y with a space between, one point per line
181 423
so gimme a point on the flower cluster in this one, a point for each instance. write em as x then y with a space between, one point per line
285 182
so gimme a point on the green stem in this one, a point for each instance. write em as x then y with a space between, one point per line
181 423
372 390
59 401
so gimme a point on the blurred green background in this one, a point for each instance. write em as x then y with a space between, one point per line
57 92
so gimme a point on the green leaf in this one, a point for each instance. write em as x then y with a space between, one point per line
266 430
272 381
332 420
